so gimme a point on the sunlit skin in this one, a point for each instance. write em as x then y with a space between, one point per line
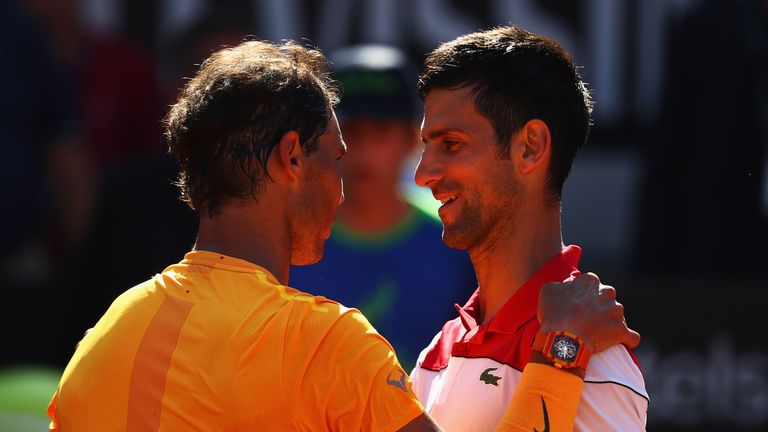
465 169
493 195
321 195
290 220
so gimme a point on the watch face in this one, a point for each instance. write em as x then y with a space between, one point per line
565 348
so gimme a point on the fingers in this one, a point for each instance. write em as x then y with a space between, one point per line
587 308
588 280
631 339
608 292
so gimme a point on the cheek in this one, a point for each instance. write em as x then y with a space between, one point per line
334 184
338 188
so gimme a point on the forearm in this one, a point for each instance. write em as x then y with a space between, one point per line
546 399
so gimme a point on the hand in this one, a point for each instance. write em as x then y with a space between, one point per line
587 308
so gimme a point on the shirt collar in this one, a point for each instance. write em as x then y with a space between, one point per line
521 307
224 262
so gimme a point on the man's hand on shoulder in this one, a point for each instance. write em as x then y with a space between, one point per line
588 309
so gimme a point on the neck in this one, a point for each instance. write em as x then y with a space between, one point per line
250 235
507 259
373 215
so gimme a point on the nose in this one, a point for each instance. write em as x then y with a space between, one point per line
428 170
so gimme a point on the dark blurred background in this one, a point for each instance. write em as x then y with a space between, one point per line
669 199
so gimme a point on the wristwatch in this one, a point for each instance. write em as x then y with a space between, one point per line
564 349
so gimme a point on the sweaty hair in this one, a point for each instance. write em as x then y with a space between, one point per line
233 112
516 76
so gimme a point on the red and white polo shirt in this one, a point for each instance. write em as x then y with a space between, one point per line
465 378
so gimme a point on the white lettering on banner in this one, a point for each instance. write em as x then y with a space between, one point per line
602 47
383 20
279 19
721 387
605 35
651 52
527 14
335 21
437 21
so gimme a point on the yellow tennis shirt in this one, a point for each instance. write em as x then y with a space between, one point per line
216 343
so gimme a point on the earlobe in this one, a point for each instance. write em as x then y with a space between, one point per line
537 145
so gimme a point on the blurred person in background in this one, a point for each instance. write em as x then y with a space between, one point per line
385 255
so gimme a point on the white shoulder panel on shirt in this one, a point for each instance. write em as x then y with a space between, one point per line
616 365
422 379
614 396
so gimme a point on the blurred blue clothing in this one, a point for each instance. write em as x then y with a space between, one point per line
404 280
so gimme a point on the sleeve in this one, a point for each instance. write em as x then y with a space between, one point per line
423 379
353 381
546 399
614 396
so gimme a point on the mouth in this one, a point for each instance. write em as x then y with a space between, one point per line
448 199
446 202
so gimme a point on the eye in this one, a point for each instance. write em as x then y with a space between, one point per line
452 145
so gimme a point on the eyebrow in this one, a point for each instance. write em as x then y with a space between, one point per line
437 133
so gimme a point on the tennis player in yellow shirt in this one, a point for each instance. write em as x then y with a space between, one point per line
220 341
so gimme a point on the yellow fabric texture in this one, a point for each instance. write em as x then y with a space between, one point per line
215 343
545 399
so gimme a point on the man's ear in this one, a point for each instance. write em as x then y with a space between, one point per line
289 157
533 146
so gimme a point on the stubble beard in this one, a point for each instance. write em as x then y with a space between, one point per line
478 224
307 243
466 230
306 252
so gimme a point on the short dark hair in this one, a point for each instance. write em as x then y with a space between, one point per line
517 76
233 112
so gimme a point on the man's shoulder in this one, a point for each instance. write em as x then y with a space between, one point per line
318 314
140 294
614 395
616 365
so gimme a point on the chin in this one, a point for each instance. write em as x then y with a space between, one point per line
308 256
454 241
462 236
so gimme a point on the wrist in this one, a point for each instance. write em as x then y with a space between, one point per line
574 328
538 357
562 349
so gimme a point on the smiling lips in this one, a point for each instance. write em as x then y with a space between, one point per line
445 200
